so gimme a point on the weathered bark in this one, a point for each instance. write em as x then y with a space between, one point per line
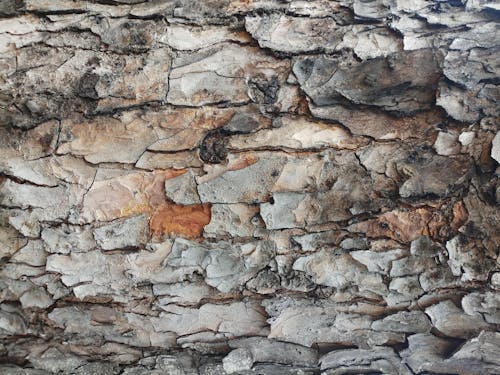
251 187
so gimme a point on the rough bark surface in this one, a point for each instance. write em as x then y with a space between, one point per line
249 187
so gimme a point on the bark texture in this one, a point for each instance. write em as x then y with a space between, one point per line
249 187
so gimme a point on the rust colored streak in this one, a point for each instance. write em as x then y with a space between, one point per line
243 162
187 221
460 215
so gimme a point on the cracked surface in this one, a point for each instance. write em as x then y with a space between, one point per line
249 187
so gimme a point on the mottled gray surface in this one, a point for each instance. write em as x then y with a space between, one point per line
249 187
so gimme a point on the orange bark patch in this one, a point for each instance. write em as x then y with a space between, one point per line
144 193
188 221
243 162
406 226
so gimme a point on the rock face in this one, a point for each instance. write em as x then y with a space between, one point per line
249 187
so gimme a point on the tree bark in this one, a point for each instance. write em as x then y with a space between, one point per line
249 187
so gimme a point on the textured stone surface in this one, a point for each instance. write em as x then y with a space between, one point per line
495 147
132 232
293 34
452 321
238 360
403 82
265 350
362 360
427 353
182 189
237 220
296 133
226 74
249 187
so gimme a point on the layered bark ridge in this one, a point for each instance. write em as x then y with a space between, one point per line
249 187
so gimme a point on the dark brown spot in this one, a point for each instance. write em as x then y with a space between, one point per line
213 147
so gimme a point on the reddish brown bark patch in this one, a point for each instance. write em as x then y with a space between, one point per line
460 215
187 221
404 225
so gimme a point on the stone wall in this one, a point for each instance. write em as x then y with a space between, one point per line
249 187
